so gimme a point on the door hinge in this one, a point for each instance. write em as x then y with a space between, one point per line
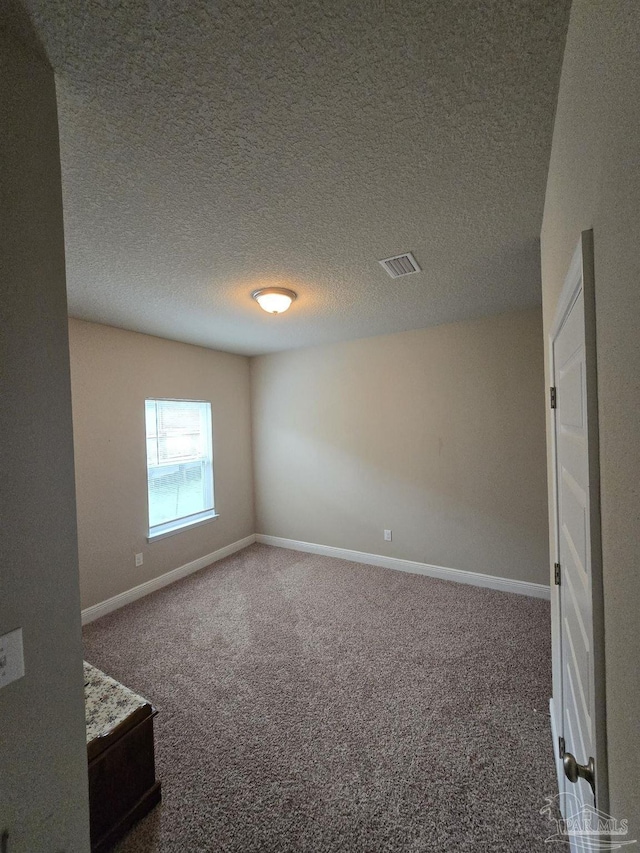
561 747
553 396
556 573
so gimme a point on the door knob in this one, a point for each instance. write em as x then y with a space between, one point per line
574 771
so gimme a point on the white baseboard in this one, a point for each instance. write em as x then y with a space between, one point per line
98 610
537 590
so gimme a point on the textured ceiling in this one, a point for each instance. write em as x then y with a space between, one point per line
211 148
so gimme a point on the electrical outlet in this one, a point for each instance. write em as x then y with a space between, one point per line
139 559
387 536
11 657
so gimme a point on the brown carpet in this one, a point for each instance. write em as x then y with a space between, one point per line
312 704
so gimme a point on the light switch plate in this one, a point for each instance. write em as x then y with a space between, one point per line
11 657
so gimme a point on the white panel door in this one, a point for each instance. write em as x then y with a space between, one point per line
581 686
573 548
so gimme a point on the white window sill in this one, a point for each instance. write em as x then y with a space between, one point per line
173 527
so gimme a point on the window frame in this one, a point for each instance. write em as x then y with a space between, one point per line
177 525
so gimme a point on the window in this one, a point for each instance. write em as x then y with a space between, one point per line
179 465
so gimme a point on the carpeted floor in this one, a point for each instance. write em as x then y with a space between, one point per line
312 704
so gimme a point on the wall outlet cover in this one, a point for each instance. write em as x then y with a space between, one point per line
387 536
139 559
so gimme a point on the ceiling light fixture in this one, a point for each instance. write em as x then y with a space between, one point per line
274 300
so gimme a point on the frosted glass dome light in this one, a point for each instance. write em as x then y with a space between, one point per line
274 300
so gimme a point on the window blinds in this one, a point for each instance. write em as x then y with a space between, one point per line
179 459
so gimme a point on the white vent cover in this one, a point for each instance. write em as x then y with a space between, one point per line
400 265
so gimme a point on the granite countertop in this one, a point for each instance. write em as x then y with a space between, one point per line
107 702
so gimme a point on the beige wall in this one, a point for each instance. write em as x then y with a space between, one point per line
43 755
436 434
112 372
594 182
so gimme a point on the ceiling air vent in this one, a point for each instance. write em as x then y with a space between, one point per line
400 265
